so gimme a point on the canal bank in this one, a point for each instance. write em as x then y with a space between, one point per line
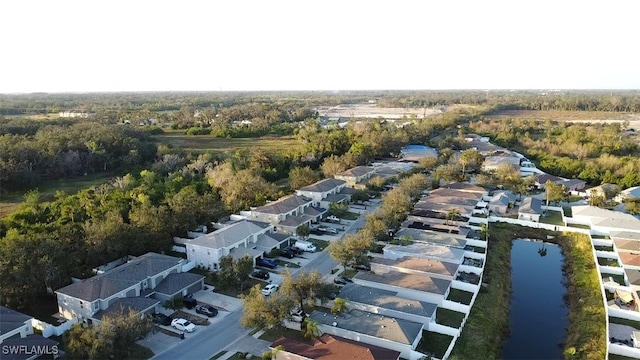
488 324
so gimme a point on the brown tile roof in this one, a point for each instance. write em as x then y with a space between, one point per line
332 347
631 259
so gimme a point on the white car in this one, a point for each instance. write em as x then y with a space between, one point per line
183 325
270 289
333 218
298 315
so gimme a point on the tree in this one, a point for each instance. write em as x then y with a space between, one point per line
428 163
303 230
632 206
302 176
339 306
310 328
340 253
452 215
333 165
359 195
264 311
554 191
305 287
376 183
243 268
338 209
471 160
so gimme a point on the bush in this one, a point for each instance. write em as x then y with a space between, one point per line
176 303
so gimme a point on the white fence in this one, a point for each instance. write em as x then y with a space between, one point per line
50 330
188 266
624 350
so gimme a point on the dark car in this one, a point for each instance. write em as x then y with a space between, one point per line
340 280
208 310
162 319
288 254
260 274
363 267
268 263
294 250
316 231
189 301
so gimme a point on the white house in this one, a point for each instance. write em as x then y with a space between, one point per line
628 194
356 177
530 209
139 285
17 333
286 213
326 191
391 333
245 237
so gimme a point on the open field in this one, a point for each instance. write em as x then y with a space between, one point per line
177 138
9 202
570 116
373 111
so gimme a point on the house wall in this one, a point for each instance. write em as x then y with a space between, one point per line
71 307
404 349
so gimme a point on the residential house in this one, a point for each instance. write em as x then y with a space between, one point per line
604 221
414 153
541 180
388 303
632 193
574 184
330 347
476 137
244 237
357 177
327 191
139 285
606 191
492 162
286 213
425 251
530 209
464 187
434 237
501 202
414 265
374 329
423 287
19 342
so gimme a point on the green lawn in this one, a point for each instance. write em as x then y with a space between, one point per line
351 216
178 139
633 324
460 296
580 226
553 217
320 244
434 344
449 317
274 333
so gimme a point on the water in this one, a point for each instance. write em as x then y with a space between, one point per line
538 315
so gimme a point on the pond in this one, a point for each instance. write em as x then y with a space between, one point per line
538 316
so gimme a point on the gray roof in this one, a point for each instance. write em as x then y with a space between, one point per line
456 193
323 185
628 235
314 211
174 283
347 191
433 237
484 147
240 252
357 171
11 319
633 275
336 198
608 218
386 299
124 306
283 205
294 221
120 278
229 235
448 200
531 205
266 242
465 187
33 341
502 197
543 178
428 251
383 327
630 245
431 266
416 282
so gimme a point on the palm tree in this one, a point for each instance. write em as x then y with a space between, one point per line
310 328
452 214
339 306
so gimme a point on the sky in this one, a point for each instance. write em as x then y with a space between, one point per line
231 45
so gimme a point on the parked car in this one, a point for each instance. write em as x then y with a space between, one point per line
294 250
331 230
288 254
207 310
298 315
260 274
183 325
316 231
270 289
340 280
189 302
266 262
332 218
161 319
363 267
305 246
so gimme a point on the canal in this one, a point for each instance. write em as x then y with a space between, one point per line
538 314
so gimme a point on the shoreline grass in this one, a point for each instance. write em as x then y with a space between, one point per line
488 324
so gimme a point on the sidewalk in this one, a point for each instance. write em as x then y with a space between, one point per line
248 344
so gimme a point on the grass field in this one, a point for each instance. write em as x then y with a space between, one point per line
178 139
563 115
9 202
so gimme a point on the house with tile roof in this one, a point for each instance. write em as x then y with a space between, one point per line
16 332
388 332
423 287
530 209
140 285
330 347
326 191
244 237
357 177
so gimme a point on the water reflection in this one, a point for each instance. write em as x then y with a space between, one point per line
538 314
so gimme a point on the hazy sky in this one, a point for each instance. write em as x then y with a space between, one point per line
134 45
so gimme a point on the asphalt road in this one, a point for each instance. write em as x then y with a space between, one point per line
206 342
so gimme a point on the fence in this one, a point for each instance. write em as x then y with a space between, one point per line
50 330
